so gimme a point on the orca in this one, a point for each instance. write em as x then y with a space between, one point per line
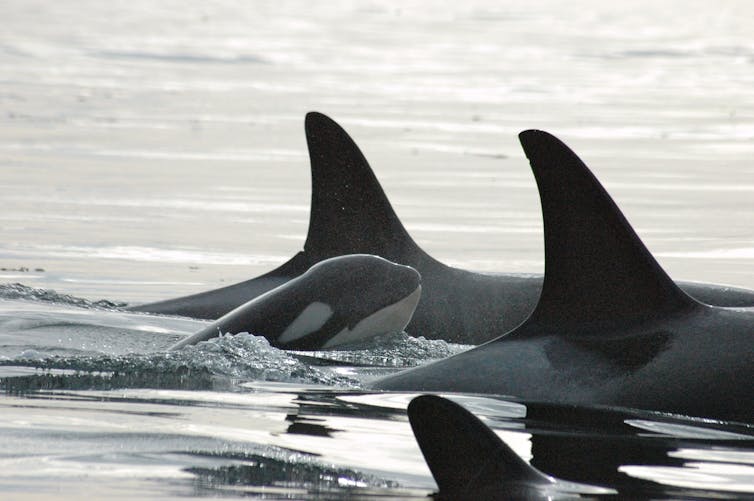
338 301
350 214
470 462
610 328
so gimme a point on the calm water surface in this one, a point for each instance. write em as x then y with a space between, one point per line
153 151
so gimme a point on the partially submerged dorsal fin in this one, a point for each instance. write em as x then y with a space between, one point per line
463 454
596 267
350 213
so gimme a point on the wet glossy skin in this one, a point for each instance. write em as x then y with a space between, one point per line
335 295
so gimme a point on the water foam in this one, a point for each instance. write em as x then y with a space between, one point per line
205 365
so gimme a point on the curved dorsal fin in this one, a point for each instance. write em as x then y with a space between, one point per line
350 213
462 453
596 267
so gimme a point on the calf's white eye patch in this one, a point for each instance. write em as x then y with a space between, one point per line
310 320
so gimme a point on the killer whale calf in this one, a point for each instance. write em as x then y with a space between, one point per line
350 214
469 461
610 328
341 300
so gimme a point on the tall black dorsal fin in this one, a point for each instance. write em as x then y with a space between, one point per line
596 267
350 213
463 454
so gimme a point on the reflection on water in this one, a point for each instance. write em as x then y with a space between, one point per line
235 416
312 441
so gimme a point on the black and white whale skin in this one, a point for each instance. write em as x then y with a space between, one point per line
350 214
341 300
610 328
470 462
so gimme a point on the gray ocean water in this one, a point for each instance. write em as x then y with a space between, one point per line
151 150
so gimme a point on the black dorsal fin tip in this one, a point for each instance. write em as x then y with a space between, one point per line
596 267
349 212
462 453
